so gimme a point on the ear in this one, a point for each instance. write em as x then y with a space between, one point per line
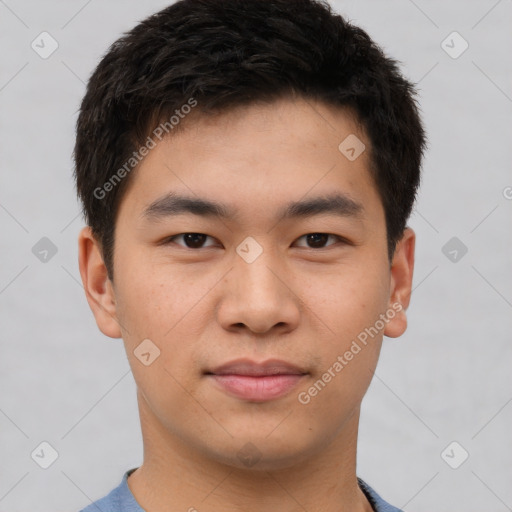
402 268
98 287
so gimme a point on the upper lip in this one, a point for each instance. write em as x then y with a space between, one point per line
254 368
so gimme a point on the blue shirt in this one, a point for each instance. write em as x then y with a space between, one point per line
121 499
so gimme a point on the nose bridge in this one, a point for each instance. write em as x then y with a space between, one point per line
256 273
257 296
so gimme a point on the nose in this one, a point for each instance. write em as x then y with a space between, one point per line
258 296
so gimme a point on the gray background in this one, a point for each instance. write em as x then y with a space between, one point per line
447 379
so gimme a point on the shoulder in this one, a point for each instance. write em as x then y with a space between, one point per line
119 499
378 504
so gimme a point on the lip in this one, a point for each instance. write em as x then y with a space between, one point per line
257 369
257 381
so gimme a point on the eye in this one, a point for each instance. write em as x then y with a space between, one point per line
190 240
319 240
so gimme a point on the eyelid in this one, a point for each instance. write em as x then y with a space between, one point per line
339 239
170 239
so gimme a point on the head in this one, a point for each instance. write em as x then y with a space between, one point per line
288 146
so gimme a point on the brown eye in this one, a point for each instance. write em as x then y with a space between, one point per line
318 240
194 240
190 240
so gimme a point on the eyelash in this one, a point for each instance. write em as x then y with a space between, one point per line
171 239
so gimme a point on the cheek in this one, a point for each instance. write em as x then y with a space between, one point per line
168 308
345 303
346 310
154 301
160 306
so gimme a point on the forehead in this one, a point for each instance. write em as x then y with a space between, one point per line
256 158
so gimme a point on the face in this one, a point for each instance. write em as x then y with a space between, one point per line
252 254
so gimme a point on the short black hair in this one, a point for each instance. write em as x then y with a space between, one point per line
222 54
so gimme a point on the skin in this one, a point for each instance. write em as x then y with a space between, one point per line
206 306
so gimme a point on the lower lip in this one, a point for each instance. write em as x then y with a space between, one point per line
257 389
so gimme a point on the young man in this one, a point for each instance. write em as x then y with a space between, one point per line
247 169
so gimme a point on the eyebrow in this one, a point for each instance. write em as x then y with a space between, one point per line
173 204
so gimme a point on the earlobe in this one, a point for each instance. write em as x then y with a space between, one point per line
98 287
402 268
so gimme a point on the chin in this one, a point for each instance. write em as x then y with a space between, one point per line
259 453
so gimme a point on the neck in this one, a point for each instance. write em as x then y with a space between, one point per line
174 477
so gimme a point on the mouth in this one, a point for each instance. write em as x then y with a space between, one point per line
257 381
